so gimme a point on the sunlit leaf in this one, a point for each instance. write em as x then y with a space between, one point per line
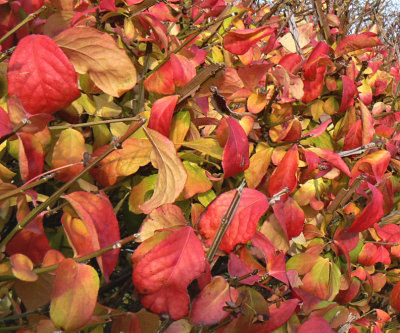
171 172
22 267
356 42
163 274
31 156
252 206
285 173
96 53
68 309
161 114
69 149
100 222
41 75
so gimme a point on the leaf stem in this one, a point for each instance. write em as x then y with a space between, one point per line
56 195
225 222
27 19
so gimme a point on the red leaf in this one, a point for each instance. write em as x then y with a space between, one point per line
97 212
319 130
371 214
315 325
163 274
237 268
161 81
207 308
394 298
353 138
356 42
374 164
252 206
312 89
5 124
108 5
348 94
161 114
30 6
74 295
240 41
285 173
31 241
183 70
235 158
278 316
333 158
253 74
41 75
291 217
31 156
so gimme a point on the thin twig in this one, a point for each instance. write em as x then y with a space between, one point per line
225 222
27 19
91 123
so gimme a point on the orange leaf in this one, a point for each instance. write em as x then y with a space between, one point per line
161 81
291 217
122 162
374 164
69 149
285 173
240 41
163 217
171 172
356 42
96 53
74 295
207 307
394 298
22 267
100 222
163 274
367 124
197 181
183 70
252 206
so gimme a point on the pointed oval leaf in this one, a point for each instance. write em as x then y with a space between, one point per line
285 173
235 158
394 298
163 274
258 166
356 42
161 81
41 75
22 267
74 295
96 53
197 181
161 114
183 70
291 216
374 164
122 162
207 308
31 156
163 217
371 214
333 158
367 124
348 94
171 172
97 212
253 204
69 149
240 41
